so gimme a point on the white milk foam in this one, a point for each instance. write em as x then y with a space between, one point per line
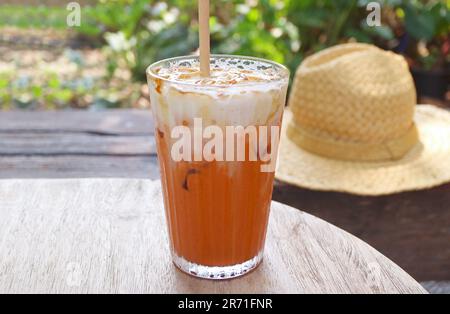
238 92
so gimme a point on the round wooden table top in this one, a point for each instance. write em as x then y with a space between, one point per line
109 236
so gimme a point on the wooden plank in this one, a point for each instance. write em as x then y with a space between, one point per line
78 167
412 229
118 121
109 236
58 3
58 144
54 143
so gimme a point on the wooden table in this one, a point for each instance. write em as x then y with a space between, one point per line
412 229
109 236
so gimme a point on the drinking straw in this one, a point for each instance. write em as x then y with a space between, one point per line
203 18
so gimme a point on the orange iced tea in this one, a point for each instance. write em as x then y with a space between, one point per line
217 200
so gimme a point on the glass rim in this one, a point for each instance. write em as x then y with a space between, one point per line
285 72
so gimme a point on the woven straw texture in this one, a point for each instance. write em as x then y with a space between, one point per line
354 102
352 126
425 166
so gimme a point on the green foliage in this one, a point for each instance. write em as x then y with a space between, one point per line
281 30
136 33
428 23
113 16
26 88
425 21
33 16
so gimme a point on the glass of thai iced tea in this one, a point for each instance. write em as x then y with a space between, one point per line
217 195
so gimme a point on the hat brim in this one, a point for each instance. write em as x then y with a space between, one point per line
427 165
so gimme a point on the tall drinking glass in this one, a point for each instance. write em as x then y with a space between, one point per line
217 144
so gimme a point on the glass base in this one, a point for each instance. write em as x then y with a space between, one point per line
216 272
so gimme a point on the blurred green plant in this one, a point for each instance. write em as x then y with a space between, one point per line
28 88
282 30
136 33
428 25
33 16
139 32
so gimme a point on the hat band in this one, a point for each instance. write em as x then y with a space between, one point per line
393 149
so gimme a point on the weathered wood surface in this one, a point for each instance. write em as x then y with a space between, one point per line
413 229
111 122
109 236
70 166
77 144
53 144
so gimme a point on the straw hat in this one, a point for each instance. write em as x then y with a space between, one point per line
353 126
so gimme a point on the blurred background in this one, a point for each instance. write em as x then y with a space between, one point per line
100 64
48 69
